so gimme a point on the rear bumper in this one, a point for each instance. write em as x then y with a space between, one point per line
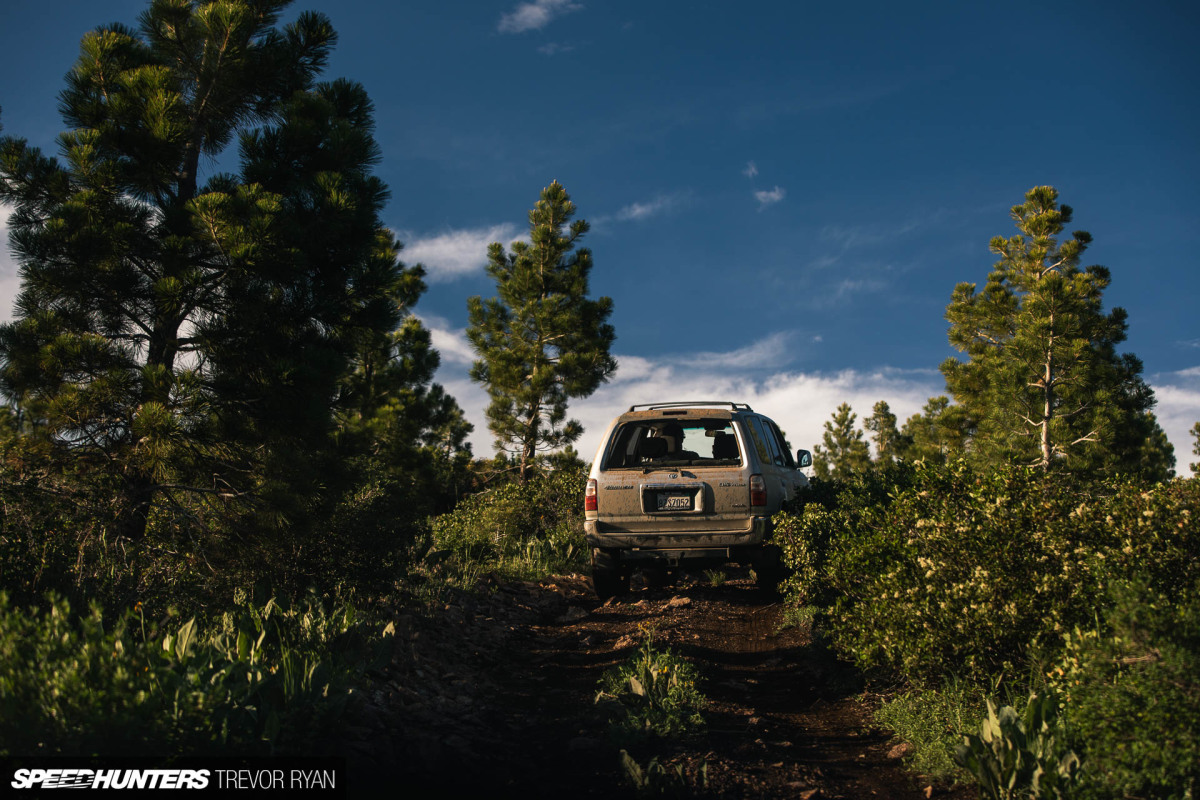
614 536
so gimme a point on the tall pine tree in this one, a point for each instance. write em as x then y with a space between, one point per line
541 341
190 338
1043 383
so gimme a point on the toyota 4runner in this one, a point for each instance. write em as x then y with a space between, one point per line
688 485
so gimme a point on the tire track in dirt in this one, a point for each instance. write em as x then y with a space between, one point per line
784 720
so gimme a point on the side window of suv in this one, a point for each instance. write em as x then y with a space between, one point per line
783 445
763 435
754 427
776 449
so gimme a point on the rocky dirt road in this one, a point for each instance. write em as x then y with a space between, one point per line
495 697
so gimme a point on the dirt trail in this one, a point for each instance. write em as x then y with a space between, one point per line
518 718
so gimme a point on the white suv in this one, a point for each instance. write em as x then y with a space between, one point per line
687 485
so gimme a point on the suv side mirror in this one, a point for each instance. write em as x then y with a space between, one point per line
804 458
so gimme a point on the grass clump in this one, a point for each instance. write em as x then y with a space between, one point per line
655 694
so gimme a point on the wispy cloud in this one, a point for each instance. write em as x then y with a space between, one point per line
639 211
751 169
774 351
555 48
769 198
10 282
457 253
535 16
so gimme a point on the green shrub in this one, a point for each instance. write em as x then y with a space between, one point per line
653 694
1133 693
521 531
962 572
263 679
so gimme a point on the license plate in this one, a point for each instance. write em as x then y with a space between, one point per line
674 502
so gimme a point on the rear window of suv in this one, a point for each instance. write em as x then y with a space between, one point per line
674 442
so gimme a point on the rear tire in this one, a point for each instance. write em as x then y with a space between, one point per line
608 578
658 577
769 570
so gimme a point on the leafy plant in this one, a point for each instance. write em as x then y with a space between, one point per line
264 679
656 780
653 694
1020 755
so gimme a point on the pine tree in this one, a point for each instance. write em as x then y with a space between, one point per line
1043 383
882 425
845 451
190 338
541 341
937 434
1196 449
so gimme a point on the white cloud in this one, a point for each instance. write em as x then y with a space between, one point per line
800 402
640 211
10 281
769 198
774 351
455 254
554 48
535 15
450 342
1178 409
751 169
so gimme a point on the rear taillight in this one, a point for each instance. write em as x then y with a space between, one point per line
589 496
758 491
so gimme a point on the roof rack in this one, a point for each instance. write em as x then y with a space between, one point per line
734 406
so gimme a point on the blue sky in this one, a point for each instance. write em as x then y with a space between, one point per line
782 195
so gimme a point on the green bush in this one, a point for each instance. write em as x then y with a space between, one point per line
523 531
262 679
963 572
960 581
1133 691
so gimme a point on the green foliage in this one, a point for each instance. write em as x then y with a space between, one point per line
653 694
519 530
1196 449
938 434
1133 695
963 572
656 780
959 581
262 679
930 720
1043 384
541 341
845 451
882 425
1020 755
